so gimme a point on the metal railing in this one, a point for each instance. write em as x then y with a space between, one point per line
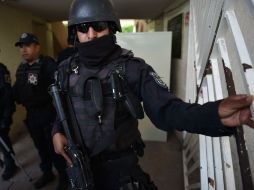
209 162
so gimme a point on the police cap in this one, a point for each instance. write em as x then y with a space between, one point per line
27 38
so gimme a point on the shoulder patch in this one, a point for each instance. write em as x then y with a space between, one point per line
158 80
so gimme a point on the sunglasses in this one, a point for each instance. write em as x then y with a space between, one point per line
97 26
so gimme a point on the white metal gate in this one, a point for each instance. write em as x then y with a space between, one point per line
217 46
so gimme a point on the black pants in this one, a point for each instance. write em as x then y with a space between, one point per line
122 173
8 160
39 123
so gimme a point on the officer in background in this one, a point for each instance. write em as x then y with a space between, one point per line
7 107
106 85
33 76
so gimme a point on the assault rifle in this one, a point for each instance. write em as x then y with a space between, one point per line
79 172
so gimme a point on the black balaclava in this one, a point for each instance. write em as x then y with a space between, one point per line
99 51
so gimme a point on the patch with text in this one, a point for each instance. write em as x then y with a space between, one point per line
158 80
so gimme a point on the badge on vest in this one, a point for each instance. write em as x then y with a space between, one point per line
32 78
158 80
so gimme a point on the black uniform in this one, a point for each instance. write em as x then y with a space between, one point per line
111 134
31 90
7 107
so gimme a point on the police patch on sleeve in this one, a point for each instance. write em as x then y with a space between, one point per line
158 80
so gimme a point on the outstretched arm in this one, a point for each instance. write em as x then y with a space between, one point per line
168 112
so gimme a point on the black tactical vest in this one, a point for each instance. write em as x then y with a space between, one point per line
105 123
31 84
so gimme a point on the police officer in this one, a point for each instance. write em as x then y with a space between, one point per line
106 85
7 107
33 77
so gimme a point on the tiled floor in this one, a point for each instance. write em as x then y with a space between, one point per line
163 161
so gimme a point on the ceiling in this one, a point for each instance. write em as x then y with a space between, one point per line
57 10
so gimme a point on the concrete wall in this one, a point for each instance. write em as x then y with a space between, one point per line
12 23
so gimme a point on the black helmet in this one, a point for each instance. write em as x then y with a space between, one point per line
82 11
